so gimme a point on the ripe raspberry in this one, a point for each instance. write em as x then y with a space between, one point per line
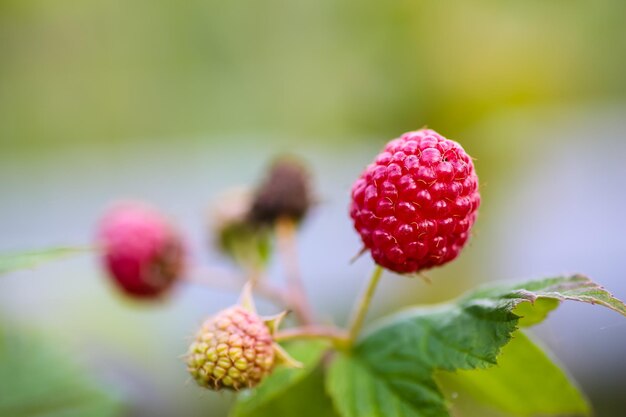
143 253
233 350
415 204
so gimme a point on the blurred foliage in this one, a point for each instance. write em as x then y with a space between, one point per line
115 70
37 379
11 262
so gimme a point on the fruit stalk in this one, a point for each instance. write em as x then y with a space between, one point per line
298 302
361 309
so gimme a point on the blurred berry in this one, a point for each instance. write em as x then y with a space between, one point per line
142 251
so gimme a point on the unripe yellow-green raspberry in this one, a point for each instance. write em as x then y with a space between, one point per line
233 350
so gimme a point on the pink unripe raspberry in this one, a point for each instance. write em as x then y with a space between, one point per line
233 350
142 251
415 204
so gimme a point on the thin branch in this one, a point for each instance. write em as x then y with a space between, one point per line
287 246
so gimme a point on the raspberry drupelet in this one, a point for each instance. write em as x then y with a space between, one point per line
415 204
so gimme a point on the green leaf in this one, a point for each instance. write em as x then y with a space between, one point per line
399 356
36 381
524 383
544 294
289 391
11 262
358 390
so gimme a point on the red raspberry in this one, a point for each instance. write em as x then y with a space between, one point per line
415 204
143 253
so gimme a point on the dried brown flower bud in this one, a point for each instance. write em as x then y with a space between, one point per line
285 193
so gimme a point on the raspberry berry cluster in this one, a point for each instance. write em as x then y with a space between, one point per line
413 207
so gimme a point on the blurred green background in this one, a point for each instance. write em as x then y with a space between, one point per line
117 70
174 101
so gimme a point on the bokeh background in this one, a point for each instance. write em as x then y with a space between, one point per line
173 102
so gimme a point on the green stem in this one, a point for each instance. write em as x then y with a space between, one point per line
361 309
